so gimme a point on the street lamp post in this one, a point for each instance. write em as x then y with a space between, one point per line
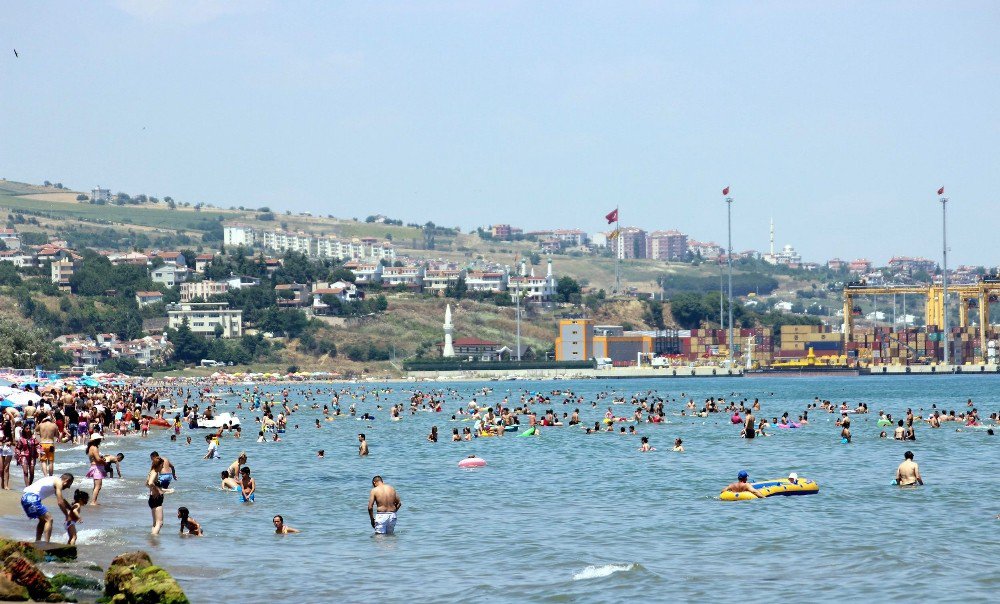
729 261
944 269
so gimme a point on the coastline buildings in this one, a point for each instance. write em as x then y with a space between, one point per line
202 318
668 245
313 246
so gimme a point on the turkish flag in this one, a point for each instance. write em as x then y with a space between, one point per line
941 191
725 191
613 216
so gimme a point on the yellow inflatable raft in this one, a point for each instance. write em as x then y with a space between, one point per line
770 488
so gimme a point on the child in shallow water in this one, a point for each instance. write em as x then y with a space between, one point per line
188 523
80 499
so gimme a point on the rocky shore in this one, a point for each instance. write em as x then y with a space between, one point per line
132 578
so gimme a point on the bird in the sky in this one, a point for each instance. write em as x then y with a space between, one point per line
15 53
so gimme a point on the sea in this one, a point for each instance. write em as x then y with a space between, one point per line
571 517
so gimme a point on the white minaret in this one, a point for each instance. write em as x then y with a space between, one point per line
772 237
449 349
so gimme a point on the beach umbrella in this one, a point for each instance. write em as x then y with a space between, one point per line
88 382
23 398
5 404
6 391
28 384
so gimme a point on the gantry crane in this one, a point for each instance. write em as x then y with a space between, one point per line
979 295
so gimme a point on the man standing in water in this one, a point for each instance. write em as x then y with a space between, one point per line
165 476
383 503
48 434
31 501
908 473
748 426
363 447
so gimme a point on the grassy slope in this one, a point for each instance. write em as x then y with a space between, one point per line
138 215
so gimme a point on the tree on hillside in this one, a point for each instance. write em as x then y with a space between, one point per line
458 290
21 346
189 347
689 310
568 290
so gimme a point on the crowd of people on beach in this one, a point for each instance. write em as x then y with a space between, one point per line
84 415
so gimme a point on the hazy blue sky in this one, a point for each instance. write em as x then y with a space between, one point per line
839 119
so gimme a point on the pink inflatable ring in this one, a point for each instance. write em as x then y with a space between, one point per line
472 462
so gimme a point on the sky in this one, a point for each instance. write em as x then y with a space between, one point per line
839 120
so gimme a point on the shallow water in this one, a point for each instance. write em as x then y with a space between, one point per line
570 517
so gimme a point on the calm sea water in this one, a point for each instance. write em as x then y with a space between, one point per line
571 517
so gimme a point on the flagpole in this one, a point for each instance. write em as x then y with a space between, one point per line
618 268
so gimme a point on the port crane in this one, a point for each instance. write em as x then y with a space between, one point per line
971 296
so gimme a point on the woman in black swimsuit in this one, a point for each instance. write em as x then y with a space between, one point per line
155 494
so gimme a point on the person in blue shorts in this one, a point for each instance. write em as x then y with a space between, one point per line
36 492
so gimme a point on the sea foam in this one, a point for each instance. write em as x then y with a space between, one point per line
596 572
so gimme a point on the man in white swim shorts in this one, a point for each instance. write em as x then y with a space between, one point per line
383 503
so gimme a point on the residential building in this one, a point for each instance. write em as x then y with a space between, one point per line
501 231
147 298
133 258
836 264
19 258
861 265
370 248
411 277
668 245
912 265
175 258
201 262
341 290
365 273
575 341
292 295
630 243
203 317
234 235
99 195
437 281
282 241
707 251
62 271
203 290
570 237
486 281
169 275
10 239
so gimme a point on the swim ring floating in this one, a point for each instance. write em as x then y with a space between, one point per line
472 462
770 488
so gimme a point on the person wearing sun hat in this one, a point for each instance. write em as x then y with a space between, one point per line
96 471
742 485
793 478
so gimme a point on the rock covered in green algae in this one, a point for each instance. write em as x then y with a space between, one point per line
75 582
133 579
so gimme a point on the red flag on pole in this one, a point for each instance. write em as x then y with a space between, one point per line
725 191
941 191
613 216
